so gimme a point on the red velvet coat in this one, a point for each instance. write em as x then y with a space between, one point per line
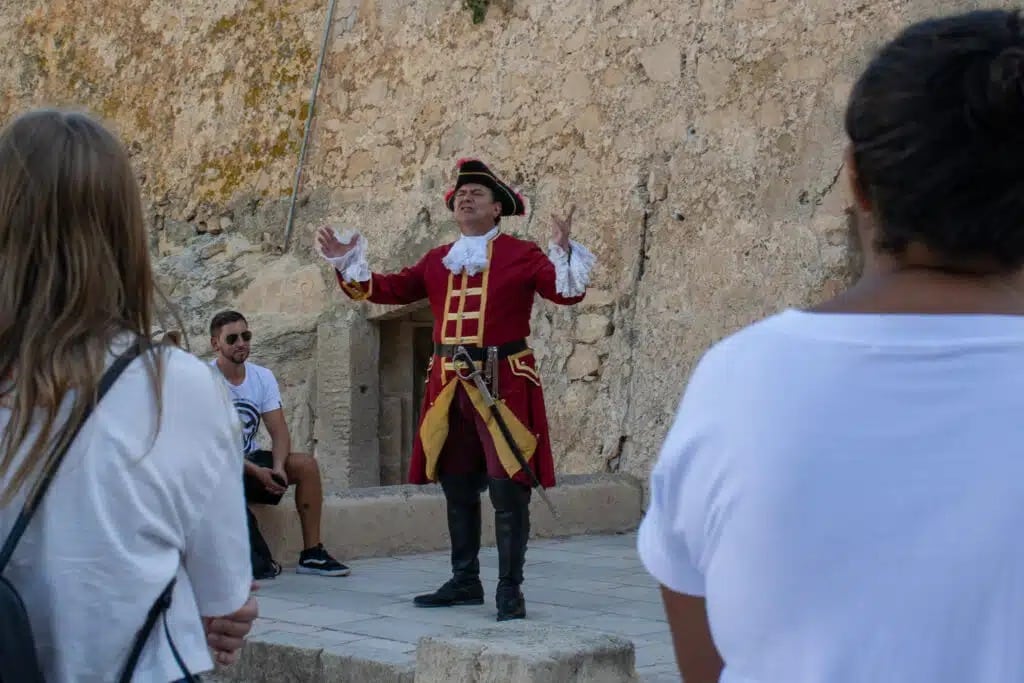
488 309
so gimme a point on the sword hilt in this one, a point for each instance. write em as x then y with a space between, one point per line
462 355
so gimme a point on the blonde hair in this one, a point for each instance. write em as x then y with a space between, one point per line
75 273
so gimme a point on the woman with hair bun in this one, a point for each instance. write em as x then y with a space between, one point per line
841 496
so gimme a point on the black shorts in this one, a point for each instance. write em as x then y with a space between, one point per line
255 492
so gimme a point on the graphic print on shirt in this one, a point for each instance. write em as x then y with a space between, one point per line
249 416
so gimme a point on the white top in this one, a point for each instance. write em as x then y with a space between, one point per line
256 395
124 514
847 491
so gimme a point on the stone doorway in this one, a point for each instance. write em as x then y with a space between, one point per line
406 345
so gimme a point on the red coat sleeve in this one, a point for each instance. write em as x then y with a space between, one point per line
404 287
544 280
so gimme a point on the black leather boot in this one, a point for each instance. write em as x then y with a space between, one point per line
511 502
462 497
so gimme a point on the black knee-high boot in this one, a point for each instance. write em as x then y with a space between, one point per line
511 502
462 497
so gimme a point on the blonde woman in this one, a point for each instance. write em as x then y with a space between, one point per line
148 496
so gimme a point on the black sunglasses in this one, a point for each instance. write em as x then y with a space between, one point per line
232 338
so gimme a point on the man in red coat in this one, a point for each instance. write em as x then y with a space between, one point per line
481 290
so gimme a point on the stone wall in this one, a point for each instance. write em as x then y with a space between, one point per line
701 141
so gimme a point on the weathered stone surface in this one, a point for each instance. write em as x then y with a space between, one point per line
592 327
521 652
728 114
346 365
662 62
584 363
597 298
272 662
283 657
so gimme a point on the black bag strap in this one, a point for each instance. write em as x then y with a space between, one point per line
189 678
25 516
32 504
158 609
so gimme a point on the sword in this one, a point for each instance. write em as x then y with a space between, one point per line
462 355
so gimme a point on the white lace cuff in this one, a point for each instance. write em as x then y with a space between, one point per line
572 269
353 265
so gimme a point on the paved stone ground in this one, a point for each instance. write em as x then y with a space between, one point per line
592 581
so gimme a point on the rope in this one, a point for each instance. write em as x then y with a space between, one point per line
309 124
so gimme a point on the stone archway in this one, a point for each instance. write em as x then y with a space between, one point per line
371 366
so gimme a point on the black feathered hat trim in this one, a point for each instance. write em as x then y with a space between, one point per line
476 171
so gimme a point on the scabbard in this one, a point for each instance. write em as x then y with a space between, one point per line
493 372
514 447
481 386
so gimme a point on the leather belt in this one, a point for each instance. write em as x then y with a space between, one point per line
479 353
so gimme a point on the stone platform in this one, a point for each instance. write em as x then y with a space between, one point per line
388 521
364 627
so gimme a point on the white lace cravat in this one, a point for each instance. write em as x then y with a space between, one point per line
469 253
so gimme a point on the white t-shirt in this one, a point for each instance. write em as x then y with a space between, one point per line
847 491
124 514
257 394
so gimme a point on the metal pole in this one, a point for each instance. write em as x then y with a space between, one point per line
309 125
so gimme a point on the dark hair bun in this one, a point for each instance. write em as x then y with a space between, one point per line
1006 86
936 123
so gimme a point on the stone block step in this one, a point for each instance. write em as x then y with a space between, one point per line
401 520
520 652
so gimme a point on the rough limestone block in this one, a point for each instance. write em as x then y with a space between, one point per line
352 668
592 327
597 298
262 661
524 652
586 504
300 659
399 520
584 363
662 63
347 401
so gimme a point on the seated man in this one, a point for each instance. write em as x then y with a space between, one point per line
268 473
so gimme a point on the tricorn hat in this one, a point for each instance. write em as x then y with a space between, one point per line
475 171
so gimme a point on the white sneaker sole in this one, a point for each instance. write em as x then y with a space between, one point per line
322 572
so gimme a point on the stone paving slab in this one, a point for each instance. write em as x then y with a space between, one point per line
595 582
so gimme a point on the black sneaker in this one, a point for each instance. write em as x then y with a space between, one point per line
316 560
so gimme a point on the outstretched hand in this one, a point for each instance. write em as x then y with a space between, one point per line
330 245
561 228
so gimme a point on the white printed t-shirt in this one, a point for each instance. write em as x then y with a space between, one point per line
124 514
847 492
257 394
